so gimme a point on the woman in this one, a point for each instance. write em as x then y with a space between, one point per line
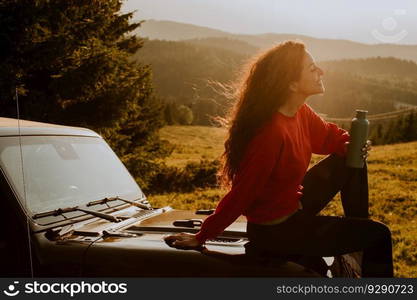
272 136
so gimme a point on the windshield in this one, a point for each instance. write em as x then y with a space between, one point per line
63 171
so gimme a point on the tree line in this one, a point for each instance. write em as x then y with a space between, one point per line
400 129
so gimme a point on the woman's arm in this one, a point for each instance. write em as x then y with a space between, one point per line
326 137
254 172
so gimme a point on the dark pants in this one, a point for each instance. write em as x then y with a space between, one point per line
305 234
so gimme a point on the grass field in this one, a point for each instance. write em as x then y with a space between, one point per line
193 143
392 176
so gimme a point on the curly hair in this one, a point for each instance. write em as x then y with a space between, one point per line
262 89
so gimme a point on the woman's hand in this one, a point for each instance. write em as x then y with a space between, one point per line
183 240
366 149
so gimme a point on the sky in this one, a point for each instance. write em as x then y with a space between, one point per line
366 21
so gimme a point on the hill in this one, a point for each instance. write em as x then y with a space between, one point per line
184 72
230 44
375 66
175 31
322 49
392 175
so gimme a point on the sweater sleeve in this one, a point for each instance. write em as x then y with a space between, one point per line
254 171
326 137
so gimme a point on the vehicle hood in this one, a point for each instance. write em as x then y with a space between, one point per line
135 247
145 249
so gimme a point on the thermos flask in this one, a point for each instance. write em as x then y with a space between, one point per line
359 130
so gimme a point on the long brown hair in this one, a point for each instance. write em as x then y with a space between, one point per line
263 88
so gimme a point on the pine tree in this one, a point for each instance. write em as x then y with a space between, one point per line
410 130
184 115
71 63
379 135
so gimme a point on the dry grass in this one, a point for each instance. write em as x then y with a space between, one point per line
193 143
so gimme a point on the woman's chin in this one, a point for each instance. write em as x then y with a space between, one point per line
318 91
321 89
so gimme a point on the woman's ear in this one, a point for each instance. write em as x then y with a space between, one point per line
293 87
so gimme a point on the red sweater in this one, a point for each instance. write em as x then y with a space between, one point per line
268 182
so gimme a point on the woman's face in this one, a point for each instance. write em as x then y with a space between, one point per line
310 82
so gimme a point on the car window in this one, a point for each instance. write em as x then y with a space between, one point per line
62 171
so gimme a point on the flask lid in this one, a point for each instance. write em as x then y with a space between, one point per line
361 114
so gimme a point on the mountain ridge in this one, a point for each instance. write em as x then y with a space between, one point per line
321 48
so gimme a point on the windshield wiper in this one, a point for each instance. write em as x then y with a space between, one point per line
60 211
132 202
